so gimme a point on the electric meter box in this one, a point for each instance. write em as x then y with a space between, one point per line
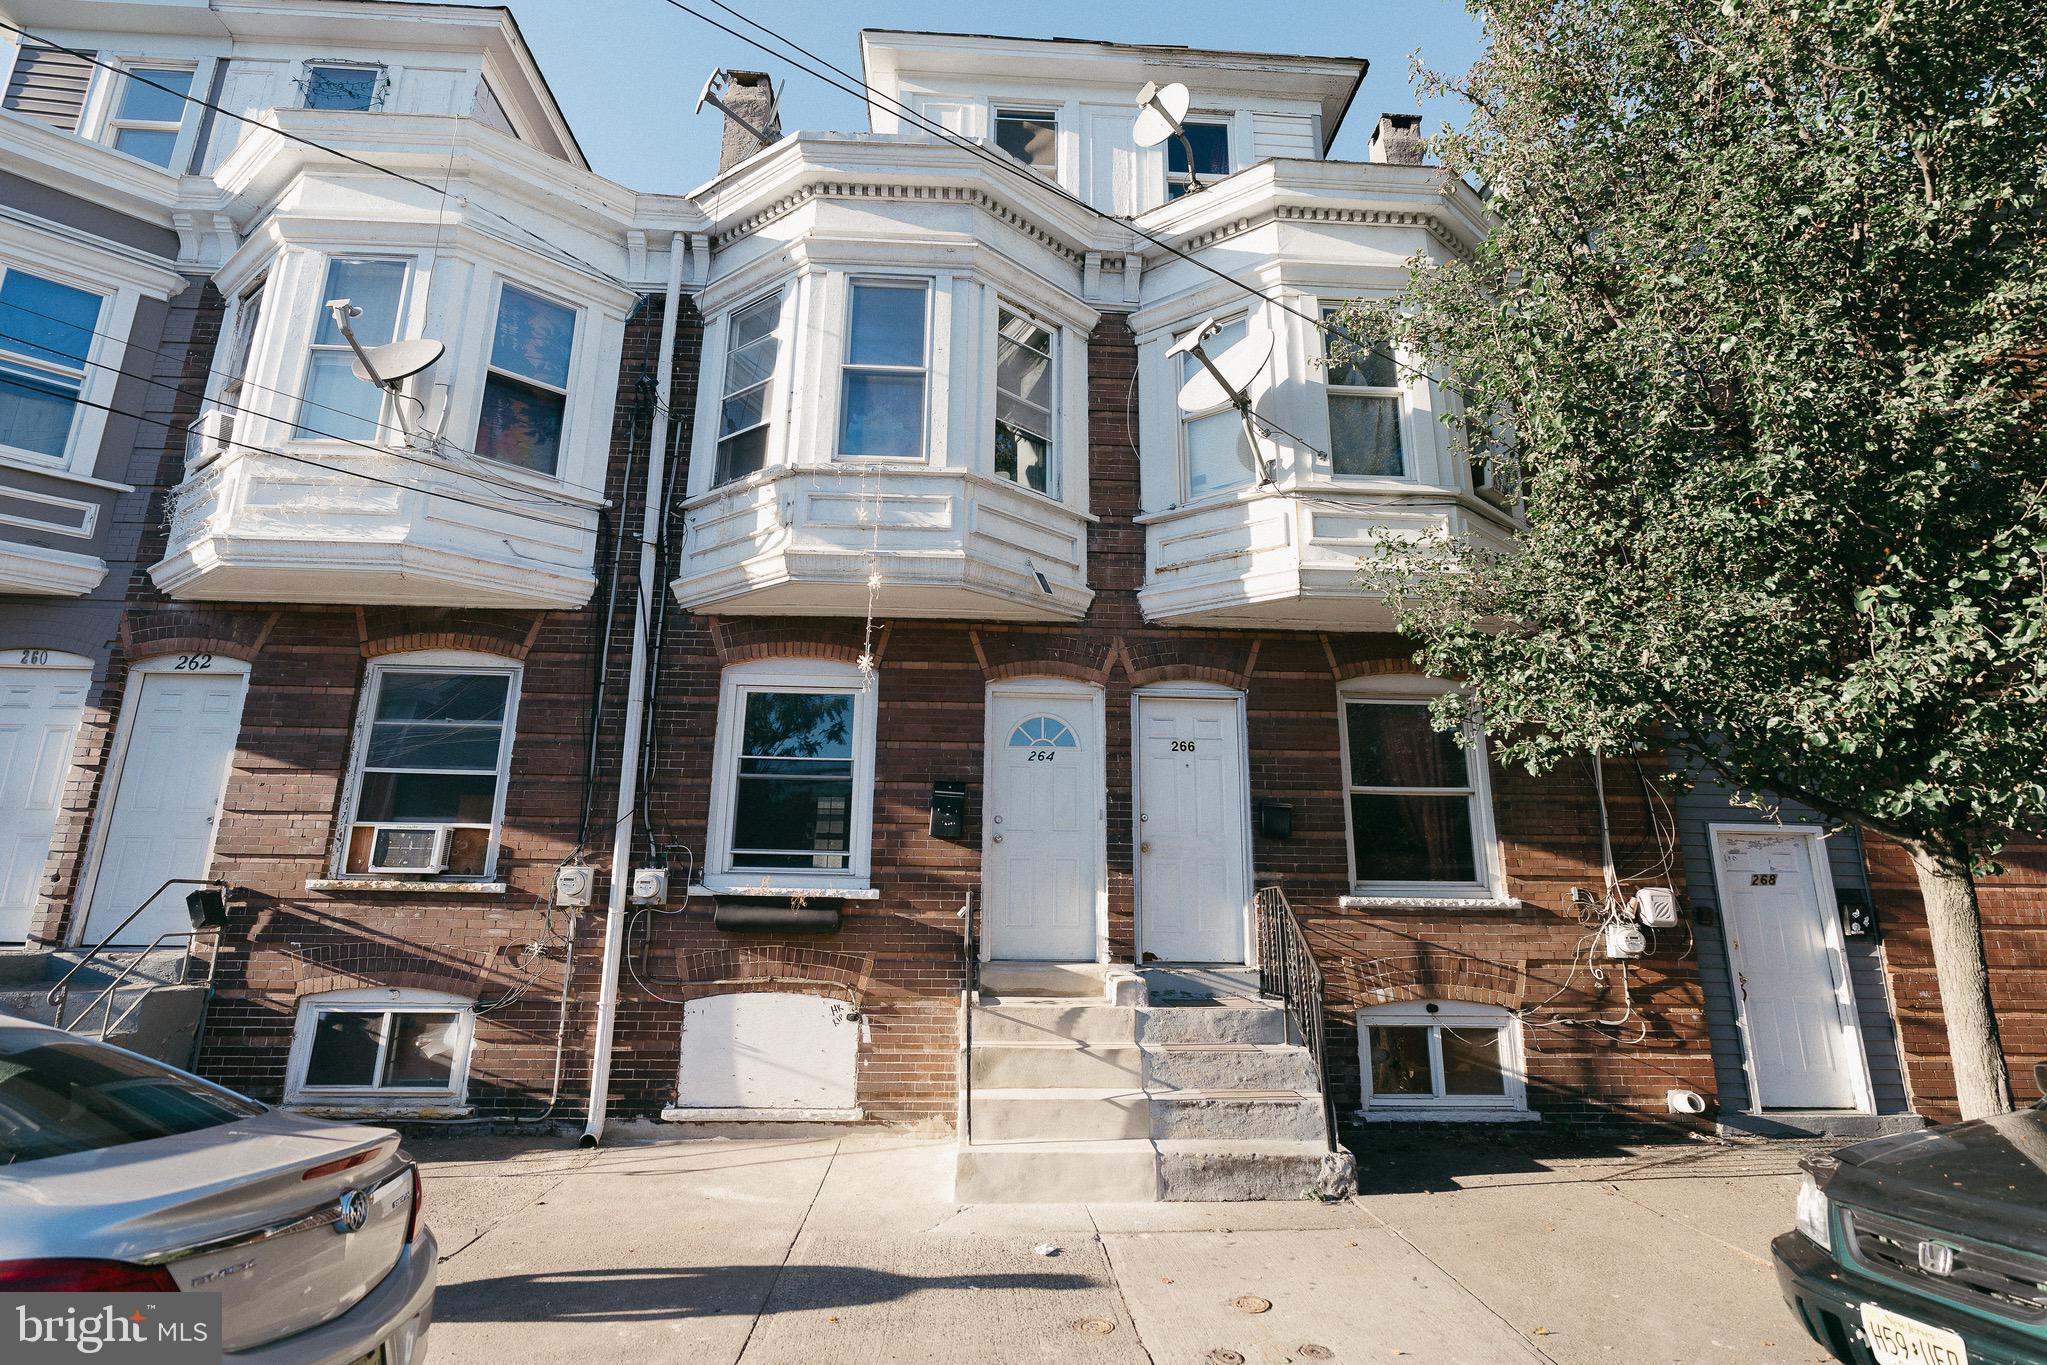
1625 941
573 885
650 885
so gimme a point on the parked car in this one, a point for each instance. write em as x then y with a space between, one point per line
119 1174
1927 1248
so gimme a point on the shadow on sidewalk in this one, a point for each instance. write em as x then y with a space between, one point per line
640 1293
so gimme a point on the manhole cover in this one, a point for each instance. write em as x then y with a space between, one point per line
1095 1327
1310 1351
1222 1355
1251 1303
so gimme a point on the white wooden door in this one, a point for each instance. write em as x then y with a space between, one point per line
1791 976
40 706
1193 828
179 744
1043 828
768 1052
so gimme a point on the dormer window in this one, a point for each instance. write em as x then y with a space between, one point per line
1030 136
151 112
881 395
342 85
1210 141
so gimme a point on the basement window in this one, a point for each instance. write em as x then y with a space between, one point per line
381 1044
1441 1059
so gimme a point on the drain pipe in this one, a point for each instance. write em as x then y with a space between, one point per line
635 708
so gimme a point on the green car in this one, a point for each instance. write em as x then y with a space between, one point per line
1927 1248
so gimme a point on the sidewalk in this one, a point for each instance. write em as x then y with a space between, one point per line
826 1246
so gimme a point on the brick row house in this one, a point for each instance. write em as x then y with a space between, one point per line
735 605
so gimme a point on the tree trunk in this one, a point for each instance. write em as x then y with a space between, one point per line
1955 926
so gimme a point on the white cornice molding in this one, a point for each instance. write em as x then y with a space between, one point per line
35 571
86 170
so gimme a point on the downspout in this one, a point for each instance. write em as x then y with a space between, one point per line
635 707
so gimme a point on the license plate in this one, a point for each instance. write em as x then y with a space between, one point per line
1898 1340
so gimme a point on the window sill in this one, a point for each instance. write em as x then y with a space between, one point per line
377 1109
1448 1115
1386 901
815 893
30 463
414 886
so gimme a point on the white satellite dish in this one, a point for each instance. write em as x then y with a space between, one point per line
386 365
1226 379
1161 110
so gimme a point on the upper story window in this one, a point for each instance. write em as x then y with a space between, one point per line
1030 136
248 312
1216 453
792 785
150 112
1441 1058
526 394
1023 402
1210 141
342 85
1420 813
381 1044
432 748
336 404
881 395
46 333
1364 412
743 419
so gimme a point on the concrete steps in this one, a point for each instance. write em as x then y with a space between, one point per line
159 1016
1087 1089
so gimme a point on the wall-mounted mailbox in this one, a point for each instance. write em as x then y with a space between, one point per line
948 810
207 907
1858 914
1275 820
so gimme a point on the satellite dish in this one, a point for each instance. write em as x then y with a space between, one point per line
1161 109
387 365
1225 378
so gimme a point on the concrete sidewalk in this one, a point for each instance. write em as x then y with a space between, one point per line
828 1246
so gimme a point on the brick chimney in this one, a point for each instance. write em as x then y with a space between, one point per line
751 95
1397 141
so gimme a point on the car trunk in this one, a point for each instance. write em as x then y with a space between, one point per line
249 1211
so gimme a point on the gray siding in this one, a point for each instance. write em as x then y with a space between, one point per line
1707 802
49 86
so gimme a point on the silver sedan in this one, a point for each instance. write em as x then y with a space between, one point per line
119 1174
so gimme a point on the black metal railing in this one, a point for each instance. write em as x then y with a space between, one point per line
970 992
60 993
1287 972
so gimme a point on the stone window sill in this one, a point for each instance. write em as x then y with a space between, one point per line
1428 903
1448 1115
813 893
411 887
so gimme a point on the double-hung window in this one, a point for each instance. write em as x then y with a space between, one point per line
46 333
149 112
428 788
1210 141
1364 411
526 394
336 405
1441 1059
1023 402
882 391
1030 136
1419 813
1217 452
743 416
381 1045
342 85
792 789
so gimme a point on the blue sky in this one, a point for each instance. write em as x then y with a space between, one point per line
627 71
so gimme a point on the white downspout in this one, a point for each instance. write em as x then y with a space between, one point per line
635 708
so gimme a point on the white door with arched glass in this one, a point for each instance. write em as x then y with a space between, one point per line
1041 871
42 697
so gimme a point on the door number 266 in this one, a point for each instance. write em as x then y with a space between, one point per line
1183 746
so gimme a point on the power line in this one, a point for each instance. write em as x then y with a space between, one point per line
303 140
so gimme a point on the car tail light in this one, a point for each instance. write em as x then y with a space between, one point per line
412 1223
72 1276
346 1163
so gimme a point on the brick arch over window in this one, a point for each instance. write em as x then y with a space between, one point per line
1151 661
354 965
769 968
1006 654
230 635
1427 975
1365 656
748 640
411 630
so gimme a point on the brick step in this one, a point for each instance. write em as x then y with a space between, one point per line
1041 1020
1073 1114
1057 1173
1056 1065
1229 1066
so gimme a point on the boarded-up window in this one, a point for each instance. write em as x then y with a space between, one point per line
49 86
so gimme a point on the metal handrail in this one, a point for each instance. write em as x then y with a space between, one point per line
970 992
65 980
109 1025
1287 971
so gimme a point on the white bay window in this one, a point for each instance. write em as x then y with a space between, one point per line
46 335
885 376
1025 419
744 420
526 389
337 405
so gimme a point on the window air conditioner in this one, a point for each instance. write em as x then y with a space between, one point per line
208 438
417 849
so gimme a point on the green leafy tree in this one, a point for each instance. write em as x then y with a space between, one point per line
1759 332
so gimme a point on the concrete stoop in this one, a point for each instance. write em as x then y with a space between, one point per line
158 1017
1086 1088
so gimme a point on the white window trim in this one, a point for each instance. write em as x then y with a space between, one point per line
1227 122
1486 854
789 675
577 331
1398 393
426 661
1055 447
1183 472
379 92
376 1000
924 370
388 432
1028 109
1513 1105
111 123
779 294
96 375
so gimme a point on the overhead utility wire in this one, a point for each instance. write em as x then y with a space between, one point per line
303 140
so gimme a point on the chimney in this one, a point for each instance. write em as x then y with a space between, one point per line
750 95
1397 141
